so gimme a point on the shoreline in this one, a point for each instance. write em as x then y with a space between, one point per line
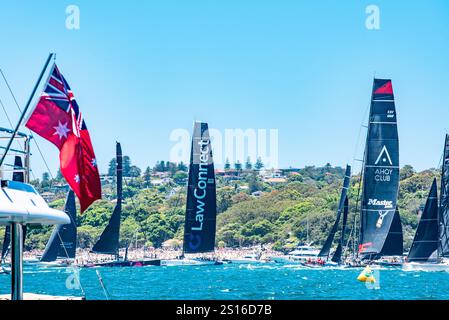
84 256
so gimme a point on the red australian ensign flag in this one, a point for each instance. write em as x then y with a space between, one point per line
58 119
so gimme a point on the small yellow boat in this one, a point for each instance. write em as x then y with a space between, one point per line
366 275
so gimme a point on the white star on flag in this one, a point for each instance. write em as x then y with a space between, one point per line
94 162
61 130
77 178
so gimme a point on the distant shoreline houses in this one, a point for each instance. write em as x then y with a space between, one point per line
157 177
270 176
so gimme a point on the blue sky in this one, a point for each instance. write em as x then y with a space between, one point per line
141 69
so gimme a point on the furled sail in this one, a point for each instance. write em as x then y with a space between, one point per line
426 238
62 243
444 203
339 251
18 174
109 239
344 191
201 210
380 229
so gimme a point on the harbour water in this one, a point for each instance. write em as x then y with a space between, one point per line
268 282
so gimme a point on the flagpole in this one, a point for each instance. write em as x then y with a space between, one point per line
22 116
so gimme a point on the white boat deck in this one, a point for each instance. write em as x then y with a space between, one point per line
34 296
20 203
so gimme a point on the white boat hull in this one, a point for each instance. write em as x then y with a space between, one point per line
30 261
317 265
287 259
424 266
54 264
248 261
293 259
188 262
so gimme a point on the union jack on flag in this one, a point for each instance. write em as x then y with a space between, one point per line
57 118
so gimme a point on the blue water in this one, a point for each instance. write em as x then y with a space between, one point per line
272 281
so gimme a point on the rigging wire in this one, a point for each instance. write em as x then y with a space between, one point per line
100 279
440 162
6 113
352 234
21 148
359 135
20 111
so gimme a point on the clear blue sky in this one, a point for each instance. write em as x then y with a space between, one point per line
140 69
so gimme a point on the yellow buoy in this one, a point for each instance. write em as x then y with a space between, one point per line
366 275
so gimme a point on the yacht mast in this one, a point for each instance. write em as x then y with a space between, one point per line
17 227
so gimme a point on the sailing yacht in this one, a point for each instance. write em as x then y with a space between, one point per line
255 256
309 256
109 239
201 207
300 255
343 207
61 248
430 246
380 233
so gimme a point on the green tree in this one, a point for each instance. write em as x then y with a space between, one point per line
180 177
227 165
295 177
45 177
134 172
260 228
157 167
406 172
238 166
112 170
224 198
259 164
254 183
46 183
59 176
147 177
157 229
172 167
130 232
98 214
87 236
126 166
248 164
182 166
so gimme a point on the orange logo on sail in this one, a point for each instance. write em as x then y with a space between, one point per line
363 247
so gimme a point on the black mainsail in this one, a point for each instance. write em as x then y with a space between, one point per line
344 191
62 243
444 203
380 228
109 239
427 237
339 251
201 210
